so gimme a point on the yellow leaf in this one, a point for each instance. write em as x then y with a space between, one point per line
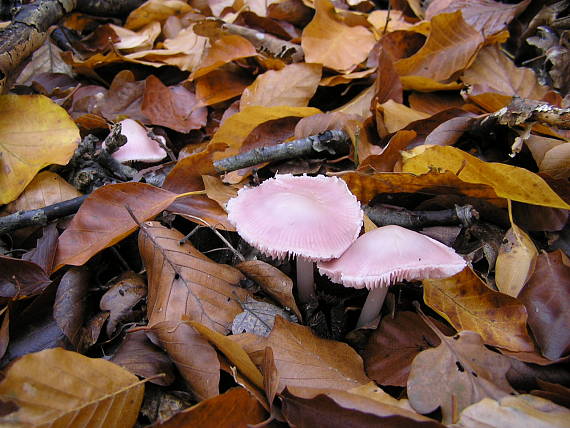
34 132
510 182
398 116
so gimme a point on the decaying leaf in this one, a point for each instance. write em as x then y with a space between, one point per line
257 318
56 387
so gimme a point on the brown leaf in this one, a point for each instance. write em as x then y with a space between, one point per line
194 357
493 71
20 278
220 85
515 261
119 300
235 408
292 86
44 252
386 160
272 281
398 116
138 355
218 191
55 387
155 10
388 84
433 103
450 47
184 282
394 344
34 132
70 303
551 155
175 107
464 371
547 298
329 41
468 304
123 98
103 219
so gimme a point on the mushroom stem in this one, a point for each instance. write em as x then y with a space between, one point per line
372 306
305 280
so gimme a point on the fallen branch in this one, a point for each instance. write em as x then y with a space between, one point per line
522 111
381 215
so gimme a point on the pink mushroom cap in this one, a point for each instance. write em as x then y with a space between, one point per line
139 146
316 218
391 254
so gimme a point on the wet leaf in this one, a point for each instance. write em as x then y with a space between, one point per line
70 303
103 219
547 298
508 181
57 386
515 262
468 304
20 278
327 40
184 282
464 371
34 133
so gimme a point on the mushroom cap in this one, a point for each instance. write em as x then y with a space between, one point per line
391 254
316 218
139 146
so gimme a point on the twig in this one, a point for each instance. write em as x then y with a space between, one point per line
40 216
382 215
521 111
334 142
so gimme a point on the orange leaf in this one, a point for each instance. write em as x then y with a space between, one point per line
327 40
103 219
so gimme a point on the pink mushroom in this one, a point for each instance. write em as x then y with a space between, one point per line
388 255
311 218
139 146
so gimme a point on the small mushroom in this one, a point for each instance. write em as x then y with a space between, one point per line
139 146
388 255
311 218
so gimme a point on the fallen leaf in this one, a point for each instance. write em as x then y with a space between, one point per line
552 156
119 300
138 355
390 154
327 40
218 191
291 86
468 304
220 85
235 408
55 387
508 181
515 261
258 318
518 411
34 132
450 47
155 10
233 352
273 281
547 297
103 219
464 371
194 357
433 103
44 253
20 278
70 303
397 116
394 344
184 282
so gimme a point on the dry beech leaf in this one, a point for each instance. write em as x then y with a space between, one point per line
184 282
493 71
305 360
223 51
155 10
194 357
236 128
327 40
551 155
273 281
508 181
218 191
519 411
56 387
235 408
398 116
138 355
103 219
547 298
463 371
34 132
294 85
450 47
258 318
365 187
70 303
487 16
515 261
394 344
135 40
21 278
233 352
468 304
390 154
45 189
220 85
433 103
